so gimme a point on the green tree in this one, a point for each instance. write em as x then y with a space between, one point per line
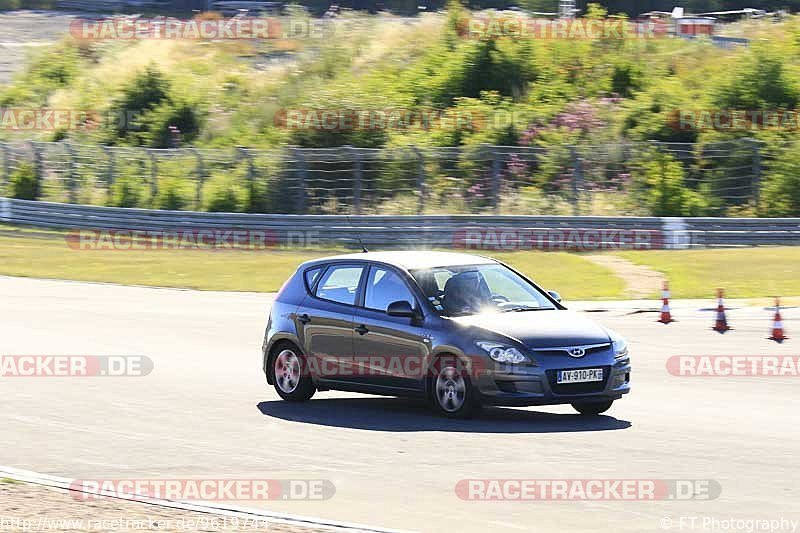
144 93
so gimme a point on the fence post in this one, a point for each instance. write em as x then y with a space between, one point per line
756 183
356 179
153 177
577 180
201 177
6 169
110 172
496 177
71 182
38 168
301 179
421 183
252 205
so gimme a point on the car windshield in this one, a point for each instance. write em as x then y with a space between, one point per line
473 289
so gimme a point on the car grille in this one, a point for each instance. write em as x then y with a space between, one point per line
578 388
562 351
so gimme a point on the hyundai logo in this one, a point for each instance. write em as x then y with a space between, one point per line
577 352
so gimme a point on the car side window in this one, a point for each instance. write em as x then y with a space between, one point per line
384 286
340 284
311 276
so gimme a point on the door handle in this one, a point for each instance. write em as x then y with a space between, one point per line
362 330
304 318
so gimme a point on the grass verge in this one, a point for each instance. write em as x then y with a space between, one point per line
47 255
742 272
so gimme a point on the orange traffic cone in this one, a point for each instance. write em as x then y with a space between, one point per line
721 324
666 316
777 325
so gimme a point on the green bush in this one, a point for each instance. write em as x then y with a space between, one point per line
24 182
173 194
49 69
7 5
150 111
143 94
222 193
182 116
762 80
127 191
626 79
659 187
780 193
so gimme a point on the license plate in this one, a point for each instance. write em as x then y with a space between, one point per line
583 375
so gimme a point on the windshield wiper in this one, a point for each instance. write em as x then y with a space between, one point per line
523 308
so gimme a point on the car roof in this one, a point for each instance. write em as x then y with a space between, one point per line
411 259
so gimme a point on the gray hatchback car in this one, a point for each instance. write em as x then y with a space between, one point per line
459 330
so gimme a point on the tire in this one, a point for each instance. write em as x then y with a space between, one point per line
451 390
592 408
289 373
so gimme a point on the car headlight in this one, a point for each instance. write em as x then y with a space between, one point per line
620 346
502 353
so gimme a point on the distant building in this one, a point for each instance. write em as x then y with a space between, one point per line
692 26
657 15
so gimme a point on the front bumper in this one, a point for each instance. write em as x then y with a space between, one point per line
510 385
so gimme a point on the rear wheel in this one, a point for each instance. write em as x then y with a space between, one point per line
452 392
290 376
592 408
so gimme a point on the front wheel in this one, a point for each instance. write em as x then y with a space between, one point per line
592 408
292 382
452 392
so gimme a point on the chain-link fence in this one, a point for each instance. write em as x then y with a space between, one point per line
651 178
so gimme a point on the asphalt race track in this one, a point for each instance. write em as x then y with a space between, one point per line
206 411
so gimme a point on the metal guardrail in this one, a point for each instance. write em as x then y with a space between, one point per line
109 5
232 7
228 7
711 232
489 232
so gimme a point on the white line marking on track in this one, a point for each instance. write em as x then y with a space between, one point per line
234 511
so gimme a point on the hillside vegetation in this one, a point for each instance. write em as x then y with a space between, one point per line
544 93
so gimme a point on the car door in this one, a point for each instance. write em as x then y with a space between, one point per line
325 319
392 351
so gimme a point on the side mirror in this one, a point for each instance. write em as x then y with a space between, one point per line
400 308
555 296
